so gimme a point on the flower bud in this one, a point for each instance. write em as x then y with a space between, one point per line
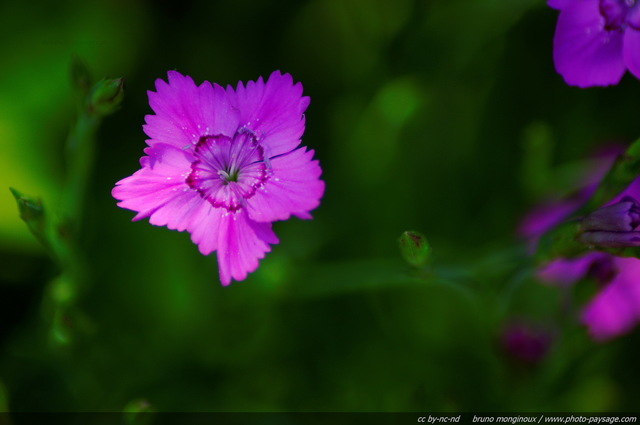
32 213
30 209
613 226
415 248
623 216
106 96
610 239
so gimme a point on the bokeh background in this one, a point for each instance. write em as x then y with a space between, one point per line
444 117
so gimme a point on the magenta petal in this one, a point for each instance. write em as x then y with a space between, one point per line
584 52
558 4
273 110
204 228
616 309
158 189
631 51
294 188
185 112
632 190
568 271
548 215
544 217
241 243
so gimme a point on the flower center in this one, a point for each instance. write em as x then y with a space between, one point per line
620 13
228 171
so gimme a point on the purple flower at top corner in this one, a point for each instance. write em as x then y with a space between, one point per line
615 309
596 41
223 164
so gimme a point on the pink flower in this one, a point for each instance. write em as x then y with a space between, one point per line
596 41
615 309
223 164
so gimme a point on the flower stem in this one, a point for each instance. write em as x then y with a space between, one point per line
60 233
80 156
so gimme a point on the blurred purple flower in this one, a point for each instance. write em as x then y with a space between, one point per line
616 308
525 343
596 41
224 164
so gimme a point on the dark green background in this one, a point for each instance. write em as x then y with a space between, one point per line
422 115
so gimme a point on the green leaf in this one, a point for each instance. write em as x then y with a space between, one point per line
560 242
633 252
371 275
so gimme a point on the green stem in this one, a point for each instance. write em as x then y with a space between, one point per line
80 159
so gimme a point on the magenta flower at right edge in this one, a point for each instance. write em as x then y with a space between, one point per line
615 309
596 41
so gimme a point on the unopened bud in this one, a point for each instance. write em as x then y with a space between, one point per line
415 248
106 96
613 226
610 239
32 213
623 216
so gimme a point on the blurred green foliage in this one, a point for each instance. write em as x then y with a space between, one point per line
441 116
